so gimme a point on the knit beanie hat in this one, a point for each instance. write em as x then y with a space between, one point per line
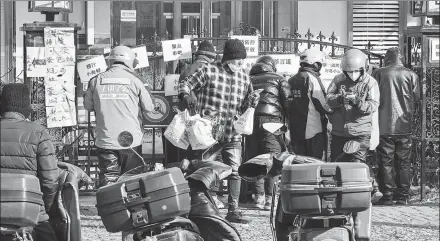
234 49
206 48
16 98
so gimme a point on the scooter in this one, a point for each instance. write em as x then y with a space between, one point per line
202 222
326 224
22 198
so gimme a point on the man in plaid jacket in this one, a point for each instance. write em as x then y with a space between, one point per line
224 91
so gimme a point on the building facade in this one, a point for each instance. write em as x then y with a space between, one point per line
378 23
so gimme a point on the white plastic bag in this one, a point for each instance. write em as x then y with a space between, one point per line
175 132
245 123
199 133
374 139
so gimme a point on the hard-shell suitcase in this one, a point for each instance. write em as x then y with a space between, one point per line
143 199
178 235
21 200
325 188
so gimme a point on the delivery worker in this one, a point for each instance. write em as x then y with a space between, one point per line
26 148
272 109
117 97
354 97
399 90
224 90
308 121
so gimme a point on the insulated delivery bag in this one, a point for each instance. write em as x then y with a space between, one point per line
143 199
325 188
21 200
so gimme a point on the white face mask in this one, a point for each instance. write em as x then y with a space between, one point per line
235 68
354 75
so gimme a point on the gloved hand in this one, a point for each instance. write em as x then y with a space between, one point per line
353 100
254 98
190 102
343 100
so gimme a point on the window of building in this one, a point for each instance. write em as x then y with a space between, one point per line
376 23
191 18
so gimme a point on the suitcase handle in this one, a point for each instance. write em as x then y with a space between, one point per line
330 189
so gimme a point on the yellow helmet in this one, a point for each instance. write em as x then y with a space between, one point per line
354 60
311 56
122 54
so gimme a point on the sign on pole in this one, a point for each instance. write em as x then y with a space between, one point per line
286 63
89 68
141 56
176 49
250 42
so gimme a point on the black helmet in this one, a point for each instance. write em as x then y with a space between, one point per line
266 59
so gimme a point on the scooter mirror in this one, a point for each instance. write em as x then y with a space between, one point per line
125 139
351 147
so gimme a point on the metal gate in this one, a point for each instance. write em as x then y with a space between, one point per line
154 74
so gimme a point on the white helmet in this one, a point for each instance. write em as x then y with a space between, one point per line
311 56
123 54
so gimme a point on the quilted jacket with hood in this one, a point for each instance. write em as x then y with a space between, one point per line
276 95
399 90
26 148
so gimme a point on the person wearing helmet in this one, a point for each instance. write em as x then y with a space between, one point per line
400 89
117 96
354 97
272 108
308 121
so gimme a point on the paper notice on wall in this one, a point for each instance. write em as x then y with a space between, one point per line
171 84
248 63
141 56
286 63
35 62
330 69
60 55
60 74
251 43
89 68
176 49
63 114
59 93
147 141
59 37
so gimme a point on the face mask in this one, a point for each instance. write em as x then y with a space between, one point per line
235 68
354 75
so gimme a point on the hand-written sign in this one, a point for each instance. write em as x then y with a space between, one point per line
171 84
89 68
286 63
58 93
60 55
59 73
141 56
176 49
248 63
59 37
61 115
251 43
35 62
330 69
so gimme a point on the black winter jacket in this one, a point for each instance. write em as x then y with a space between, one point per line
26 148
276 95
399 90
